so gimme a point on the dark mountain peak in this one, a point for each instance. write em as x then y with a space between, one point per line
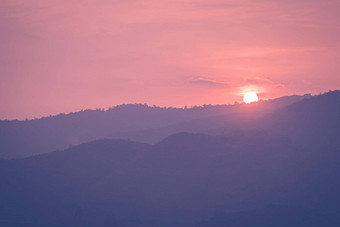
107 144
95 151
245 142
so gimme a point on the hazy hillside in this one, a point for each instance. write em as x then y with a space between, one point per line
181 181
274 167
311 122
315 122
241 178
181 178
138 122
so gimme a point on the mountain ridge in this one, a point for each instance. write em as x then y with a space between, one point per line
25 138
187 178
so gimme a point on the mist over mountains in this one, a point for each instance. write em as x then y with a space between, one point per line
273 163
133 121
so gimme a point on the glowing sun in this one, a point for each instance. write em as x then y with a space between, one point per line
250 97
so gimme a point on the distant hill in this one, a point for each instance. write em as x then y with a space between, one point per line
314 122
180 181
180 178
261 165
273 170
139 122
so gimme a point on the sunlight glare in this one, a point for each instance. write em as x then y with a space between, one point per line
250 97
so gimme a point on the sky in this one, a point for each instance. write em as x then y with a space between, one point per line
66 55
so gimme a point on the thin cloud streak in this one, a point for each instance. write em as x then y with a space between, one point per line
207 81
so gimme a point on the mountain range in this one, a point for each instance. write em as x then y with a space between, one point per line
273 163
137 122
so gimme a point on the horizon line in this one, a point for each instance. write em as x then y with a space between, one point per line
156 106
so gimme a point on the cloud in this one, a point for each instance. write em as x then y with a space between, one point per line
208 81
263 81
258 80
267 88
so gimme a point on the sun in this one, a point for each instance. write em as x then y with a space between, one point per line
250 97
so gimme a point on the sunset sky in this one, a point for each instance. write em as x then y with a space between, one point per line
67 55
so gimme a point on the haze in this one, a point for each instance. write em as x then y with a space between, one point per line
66 55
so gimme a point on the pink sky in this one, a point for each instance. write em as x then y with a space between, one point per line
67 55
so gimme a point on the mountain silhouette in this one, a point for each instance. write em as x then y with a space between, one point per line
157 183
314 122
133 121
275 168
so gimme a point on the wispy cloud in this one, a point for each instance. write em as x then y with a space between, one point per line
266 87
207 81
259 80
